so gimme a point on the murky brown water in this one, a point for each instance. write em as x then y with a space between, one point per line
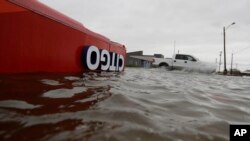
137 105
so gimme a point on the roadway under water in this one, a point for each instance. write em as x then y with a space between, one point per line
136 105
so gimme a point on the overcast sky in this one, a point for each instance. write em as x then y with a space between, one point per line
196 26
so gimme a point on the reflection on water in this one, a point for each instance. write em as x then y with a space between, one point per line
138 104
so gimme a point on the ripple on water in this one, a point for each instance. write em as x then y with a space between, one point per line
64 93
17 104
50 82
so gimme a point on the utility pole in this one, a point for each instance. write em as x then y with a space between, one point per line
225 60
220 60
173 55
231 71
224 41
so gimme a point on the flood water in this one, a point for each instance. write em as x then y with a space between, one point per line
136 105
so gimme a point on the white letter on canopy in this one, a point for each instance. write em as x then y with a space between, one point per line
122 65
105 60
91 50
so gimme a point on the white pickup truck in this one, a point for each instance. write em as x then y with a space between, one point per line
184 62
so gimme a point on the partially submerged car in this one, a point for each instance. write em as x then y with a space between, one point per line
184 62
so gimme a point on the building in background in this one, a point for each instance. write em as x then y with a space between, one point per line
246 73
137 59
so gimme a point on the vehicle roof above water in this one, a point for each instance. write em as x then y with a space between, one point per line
183 54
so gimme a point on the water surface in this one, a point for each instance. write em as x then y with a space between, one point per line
136 105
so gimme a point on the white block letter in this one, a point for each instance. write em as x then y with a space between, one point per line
105 60
93 63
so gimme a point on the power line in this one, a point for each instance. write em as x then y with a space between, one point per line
239 51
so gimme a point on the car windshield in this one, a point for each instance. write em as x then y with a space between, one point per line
197 59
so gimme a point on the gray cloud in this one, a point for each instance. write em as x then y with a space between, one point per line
153 25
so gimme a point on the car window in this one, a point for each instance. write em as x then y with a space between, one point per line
190 58
185 57
178 57
181 57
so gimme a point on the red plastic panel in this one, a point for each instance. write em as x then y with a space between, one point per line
6 6
48 12
31 43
